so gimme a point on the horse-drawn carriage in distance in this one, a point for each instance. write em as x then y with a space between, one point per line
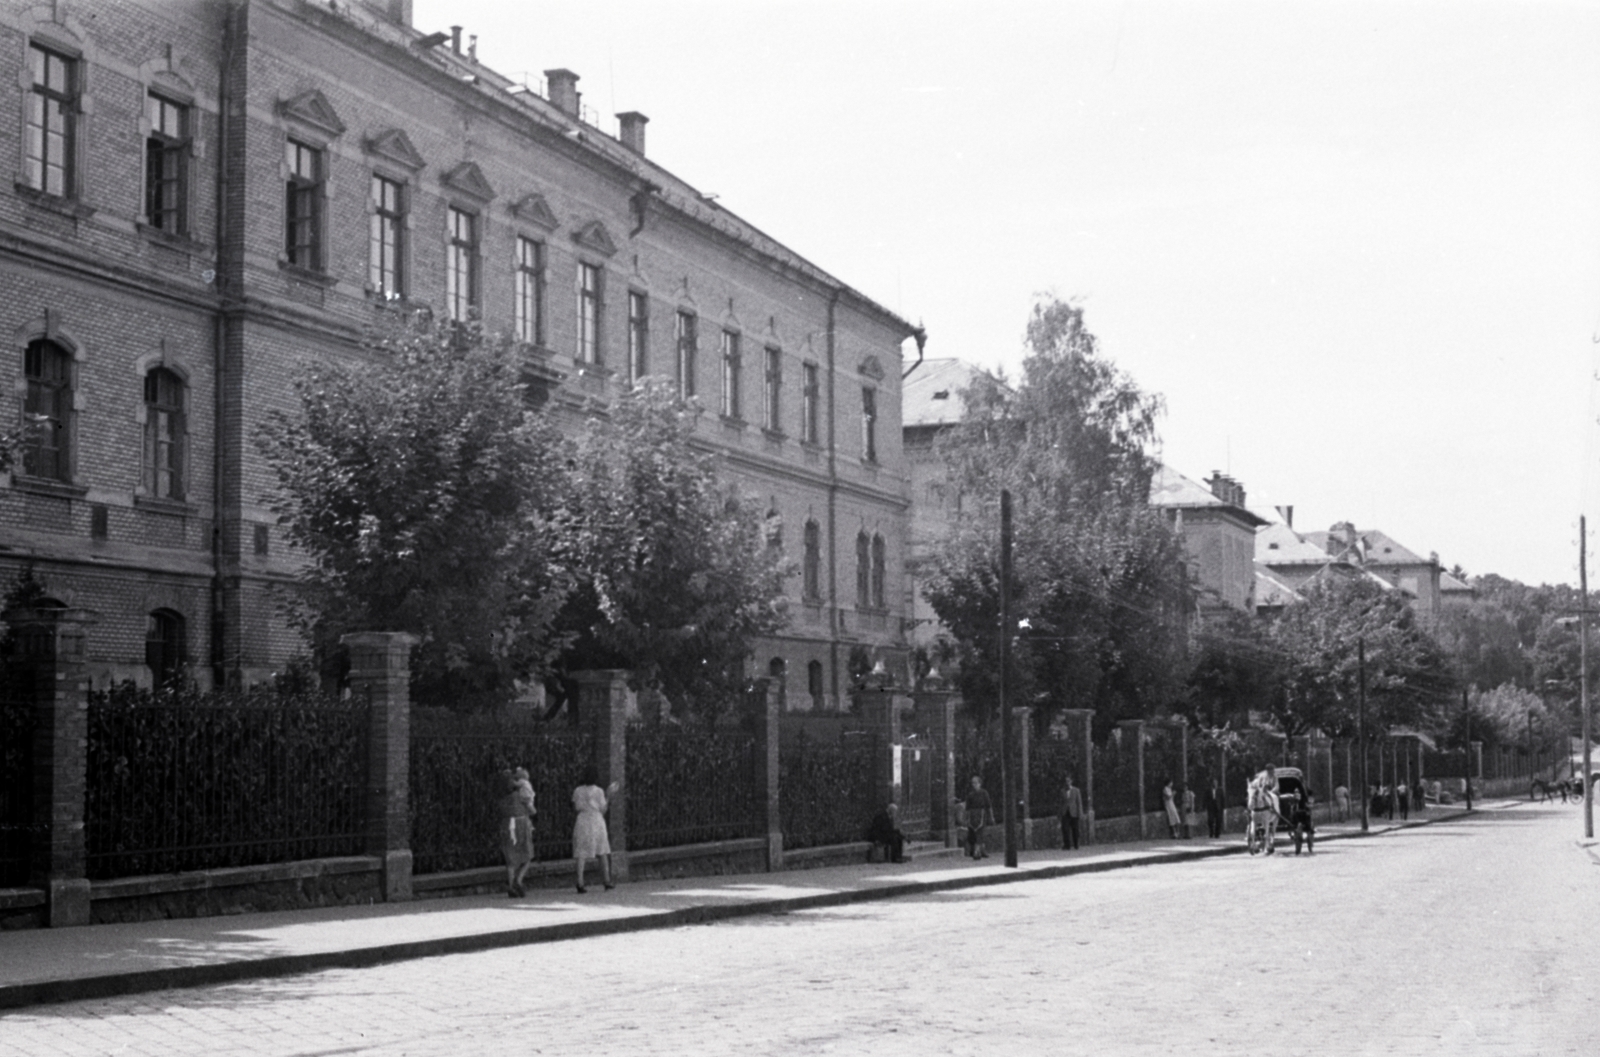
1288 805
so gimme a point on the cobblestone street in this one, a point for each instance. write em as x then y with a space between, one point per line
1465 937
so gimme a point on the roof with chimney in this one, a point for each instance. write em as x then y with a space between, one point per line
1369 547
1171 490
558 111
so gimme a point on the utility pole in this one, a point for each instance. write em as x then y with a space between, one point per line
1361 730
1466 750
1008 778
1583 671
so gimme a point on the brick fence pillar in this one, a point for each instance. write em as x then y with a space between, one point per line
380 671
1134 728
1082 720
764 703
603 706
936 713
48 656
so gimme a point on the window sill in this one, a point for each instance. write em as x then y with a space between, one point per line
775 435
67 207
593 370
158 505
733 422
873 611
392 302
163 237
306 275
48 486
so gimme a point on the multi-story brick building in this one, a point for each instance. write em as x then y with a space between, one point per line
204 196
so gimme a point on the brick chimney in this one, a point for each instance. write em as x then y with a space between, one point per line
632 134
562 89
1226 488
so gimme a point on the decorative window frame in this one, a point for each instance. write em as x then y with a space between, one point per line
162 358
310 119
391 155
51 27
47 327
171 78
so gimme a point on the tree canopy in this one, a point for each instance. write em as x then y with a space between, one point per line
1099 589
675 577
427 495
419 487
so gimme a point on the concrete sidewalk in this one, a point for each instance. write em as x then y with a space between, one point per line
59 965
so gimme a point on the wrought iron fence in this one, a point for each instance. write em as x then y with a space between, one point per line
1116 777
456 763
978 753
1163 763
1051 757
826 788
689 786
200 781
16 791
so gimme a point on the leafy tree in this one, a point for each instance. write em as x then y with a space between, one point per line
1408 676
420 488
1099 589
675 577
1239 670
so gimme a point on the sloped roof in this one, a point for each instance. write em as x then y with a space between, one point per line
1271 591
1172 490
1380 548
1278 544
1452 584
931 396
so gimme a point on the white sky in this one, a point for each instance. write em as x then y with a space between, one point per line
1356 246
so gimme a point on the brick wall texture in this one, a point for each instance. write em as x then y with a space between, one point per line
220 304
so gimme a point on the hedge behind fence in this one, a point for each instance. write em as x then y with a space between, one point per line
183 780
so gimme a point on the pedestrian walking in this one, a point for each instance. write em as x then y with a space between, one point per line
1071 813
1214 810
589 839
1341 801
980 812
1169 802
1186 795
517 812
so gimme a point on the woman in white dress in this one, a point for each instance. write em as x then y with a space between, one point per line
589 840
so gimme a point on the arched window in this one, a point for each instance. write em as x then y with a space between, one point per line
863 571
879 562
812 564
814 683
164 430
777 667
164 652
48 406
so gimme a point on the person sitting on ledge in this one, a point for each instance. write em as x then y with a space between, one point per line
885 832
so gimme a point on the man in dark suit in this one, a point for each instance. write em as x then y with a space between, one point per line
1071 813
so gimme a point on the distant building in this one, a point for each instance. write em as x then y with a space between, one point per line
1295 560
931 403
1218 532
202 197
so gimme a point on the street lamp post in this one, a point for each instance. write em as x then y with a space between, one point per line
1361 729
1583 671
1008 778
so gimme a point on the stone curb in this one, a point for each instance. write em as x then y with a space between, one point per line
17 996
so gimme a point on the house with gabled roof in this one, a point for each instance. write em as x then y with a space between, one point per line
1218 532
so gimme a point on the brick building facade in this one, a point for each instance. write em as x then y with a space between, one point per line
206 195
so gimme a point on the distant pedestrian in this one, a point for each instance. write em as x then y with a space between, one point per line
1419 795
517 812
1402 797
1214 810
589 839
885 831
1341 801
980 812
1071 814
1168 802
1186 795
